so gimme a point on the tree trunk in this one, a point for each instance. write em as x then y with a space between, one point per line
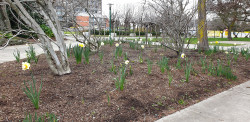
202 26
58 64
229 37
4 16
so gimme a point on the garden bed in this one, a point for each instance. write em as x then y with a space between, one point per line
89 94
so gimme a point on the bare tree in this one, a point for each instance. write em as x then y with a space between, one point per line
174 17
75 8
231 11
127 18
216 24
58 62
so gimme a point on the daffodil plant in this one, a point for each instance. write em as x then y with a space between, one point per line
149 63
17 55
32 92
78 52
120 81
31 54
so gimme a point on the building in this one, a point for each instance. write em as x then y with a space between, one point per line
71 11
93 21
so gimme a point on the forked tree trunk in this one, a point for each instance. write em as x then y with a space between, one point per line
58 63
202 26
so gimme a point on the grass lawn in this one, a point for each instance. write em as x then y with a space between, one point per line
194 40
224 44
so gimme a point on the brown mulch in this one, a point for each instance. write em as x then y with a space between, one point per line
82 95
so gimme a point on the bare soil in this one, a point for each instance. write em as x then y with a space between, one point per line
83 94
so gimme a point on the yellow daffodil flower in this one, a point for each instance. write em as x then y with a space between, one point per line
25 65
183 55
81 45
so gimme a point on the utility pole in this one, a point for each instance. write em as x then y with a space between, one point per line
110 20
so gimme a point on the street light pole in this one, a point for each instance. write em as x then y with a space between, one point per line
110 20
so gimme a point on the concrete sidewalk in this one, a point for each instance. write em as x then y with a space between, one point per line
7 53
232 105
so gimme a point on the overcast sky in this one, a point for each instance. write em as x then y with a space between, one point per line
120 4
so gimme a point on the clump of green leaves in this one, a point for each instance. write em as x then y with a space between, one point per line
113 67
203 64
32 92
209 52
130 70
78 51
101 56
187 71
86 54
140 59
118 51
178 64
125 56
163 63
31 54
17 55
69 50
108 97
149 64
49 117
120 80
235 56
218 68
132 45
111 42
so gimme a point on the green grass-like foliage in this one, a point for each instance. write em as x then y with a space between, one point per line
31 54
221 70
130 70
113 67
209 52
120 80
178 64
163 63
149 63
132 45
49 117
17 55
140 59
86 54
78 51
203 64
187 71
125 56
111 42
32 92
118 51
69 50
101 56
